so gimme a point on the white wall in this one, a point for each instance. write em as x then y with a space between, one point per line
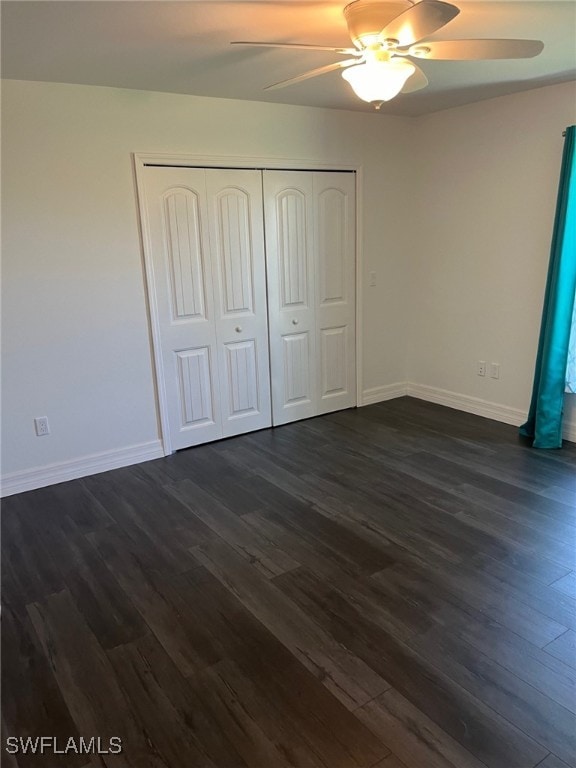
487 180
75 336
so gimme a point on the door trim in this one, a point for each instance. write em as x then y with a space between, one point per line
143 159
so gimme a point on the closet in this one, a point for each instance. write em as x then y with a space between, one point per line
251 285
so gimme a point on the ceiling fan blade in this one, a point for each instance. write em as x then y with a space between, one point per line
415 82
473 50
419 21
312 73
303 46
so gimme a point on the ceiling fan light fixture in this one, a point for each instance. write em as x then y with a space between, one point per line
378 81
384 32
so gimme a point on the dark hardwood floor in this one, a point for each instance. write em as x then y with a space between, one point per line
387 587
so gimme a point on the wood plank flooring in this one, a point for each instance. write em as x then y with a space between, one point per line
387 587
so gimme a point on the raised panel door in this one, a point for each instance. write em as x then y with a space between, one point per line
289 210
335 307
176 227
239 277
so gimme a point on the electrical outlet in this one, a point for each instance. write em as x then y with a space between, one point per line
372 279
495 370
42 426
481 368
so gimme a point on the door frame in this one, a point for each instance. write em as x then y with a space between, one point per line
143 159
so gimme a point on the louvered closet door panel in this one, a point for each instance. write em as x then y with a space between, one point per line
239 277
335 241
289 206
175 201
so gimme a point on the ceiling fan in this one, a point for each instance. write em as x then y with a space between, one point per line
387 36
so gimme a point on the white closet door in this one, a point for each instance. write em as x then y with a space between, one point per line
289 210
310 252
239 277
205 232
335 245
175 200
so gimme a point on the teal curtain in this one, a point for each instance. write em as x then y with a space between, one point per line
544 423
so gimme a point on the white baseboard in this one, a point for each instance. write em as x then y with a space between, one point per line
50 474
476 405
569 431
379 394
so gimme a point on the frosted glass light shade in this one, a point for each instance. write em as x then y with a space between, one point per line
379 80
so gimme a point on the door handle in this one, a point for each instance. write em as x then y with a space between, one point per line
238 329
294 322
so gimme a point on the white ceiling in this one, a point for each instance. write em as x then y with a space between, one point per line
184 47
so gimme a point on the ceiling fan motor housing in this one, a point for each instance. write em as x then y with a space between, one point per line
366 19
